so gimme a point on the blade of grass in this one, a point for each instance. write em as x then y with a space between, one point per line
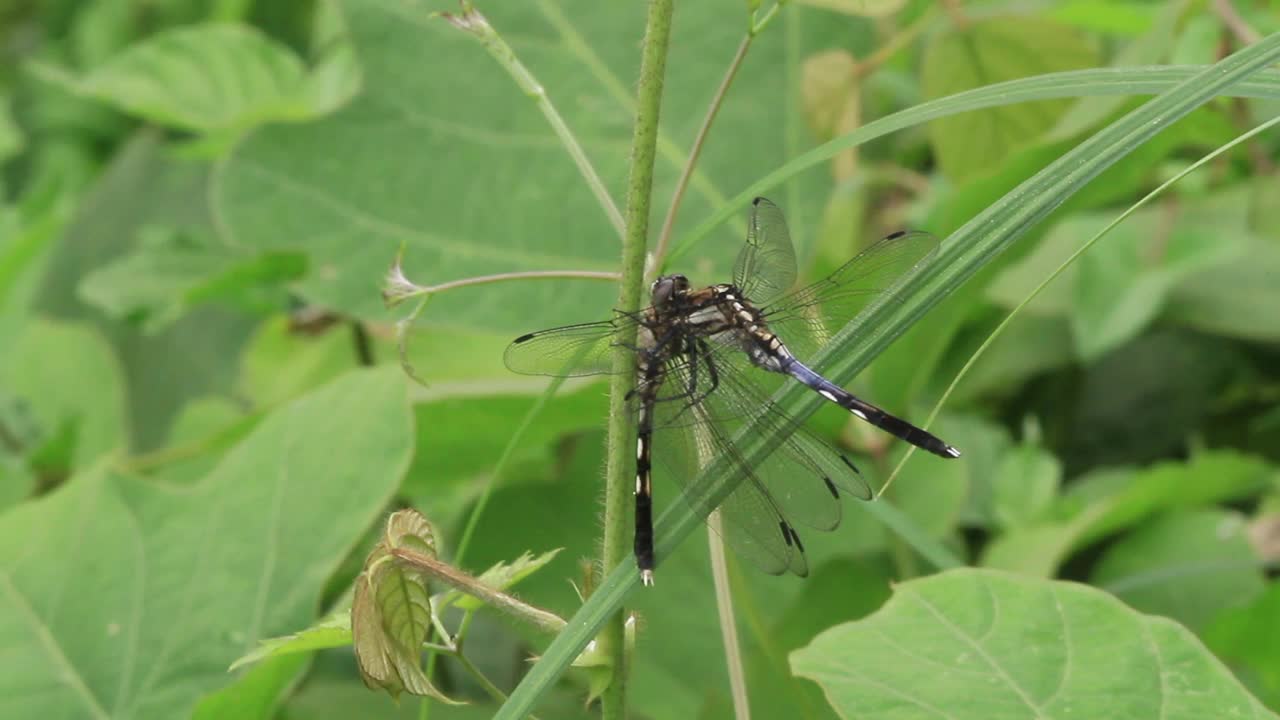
1076 83
965 252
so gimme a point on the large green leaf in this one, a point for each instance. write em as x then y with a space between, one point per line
462 167
1249 639
169 273
208 78
71 384
123 598
1120 286
141 186
1188 566
987 52
997 645
1105 501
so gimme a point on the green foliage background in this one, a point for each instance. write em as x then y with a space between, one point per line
204 421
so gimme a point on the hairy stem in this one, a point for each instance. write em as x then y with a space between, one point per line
615 548
496 599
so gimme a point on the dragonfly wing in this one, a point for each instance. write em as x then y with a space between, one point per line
569 351
804 475
806 319
766 265
751 522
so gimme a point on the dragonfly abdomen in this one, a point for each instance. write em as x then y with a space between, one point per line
895 426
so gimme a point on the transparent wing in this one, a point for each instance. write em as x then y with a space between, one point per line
800 468
766 265
797 481
569 351
752 524
806 318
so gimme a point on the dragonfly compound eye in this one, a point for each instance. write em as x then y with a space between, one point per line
666 287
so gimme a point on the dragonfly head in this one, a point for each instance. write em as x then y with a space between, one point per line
667 287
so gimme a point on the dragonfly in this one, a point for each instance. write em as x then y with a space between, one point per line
706 359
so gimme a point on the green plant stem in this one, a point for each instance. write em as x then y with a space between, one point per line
677 196
728 623
1004 324
494 691
453 577
615 549
475 24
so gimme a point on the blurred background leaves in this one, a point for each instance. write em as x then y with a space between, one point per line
199 198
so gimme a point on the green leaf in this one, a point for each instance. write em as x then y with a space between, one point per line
70 382
330 632
170 273
1249 639
1188 566
499 577
16 481
1234 298
1106 501
458 200
858 8
987 52
158 589
1025 485
1121 284
452 459
1158 25
1107 16
1032 647
11 140
213 78
1030 345
143 185
391 611
203 417
280 363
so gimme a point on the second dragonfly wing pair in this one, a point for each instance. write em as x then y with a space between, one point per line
704 359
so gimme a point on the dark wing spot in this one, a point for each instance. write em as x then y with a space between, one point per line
786 532
796 536
849 462
832 487
523 338
893 235
759 200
